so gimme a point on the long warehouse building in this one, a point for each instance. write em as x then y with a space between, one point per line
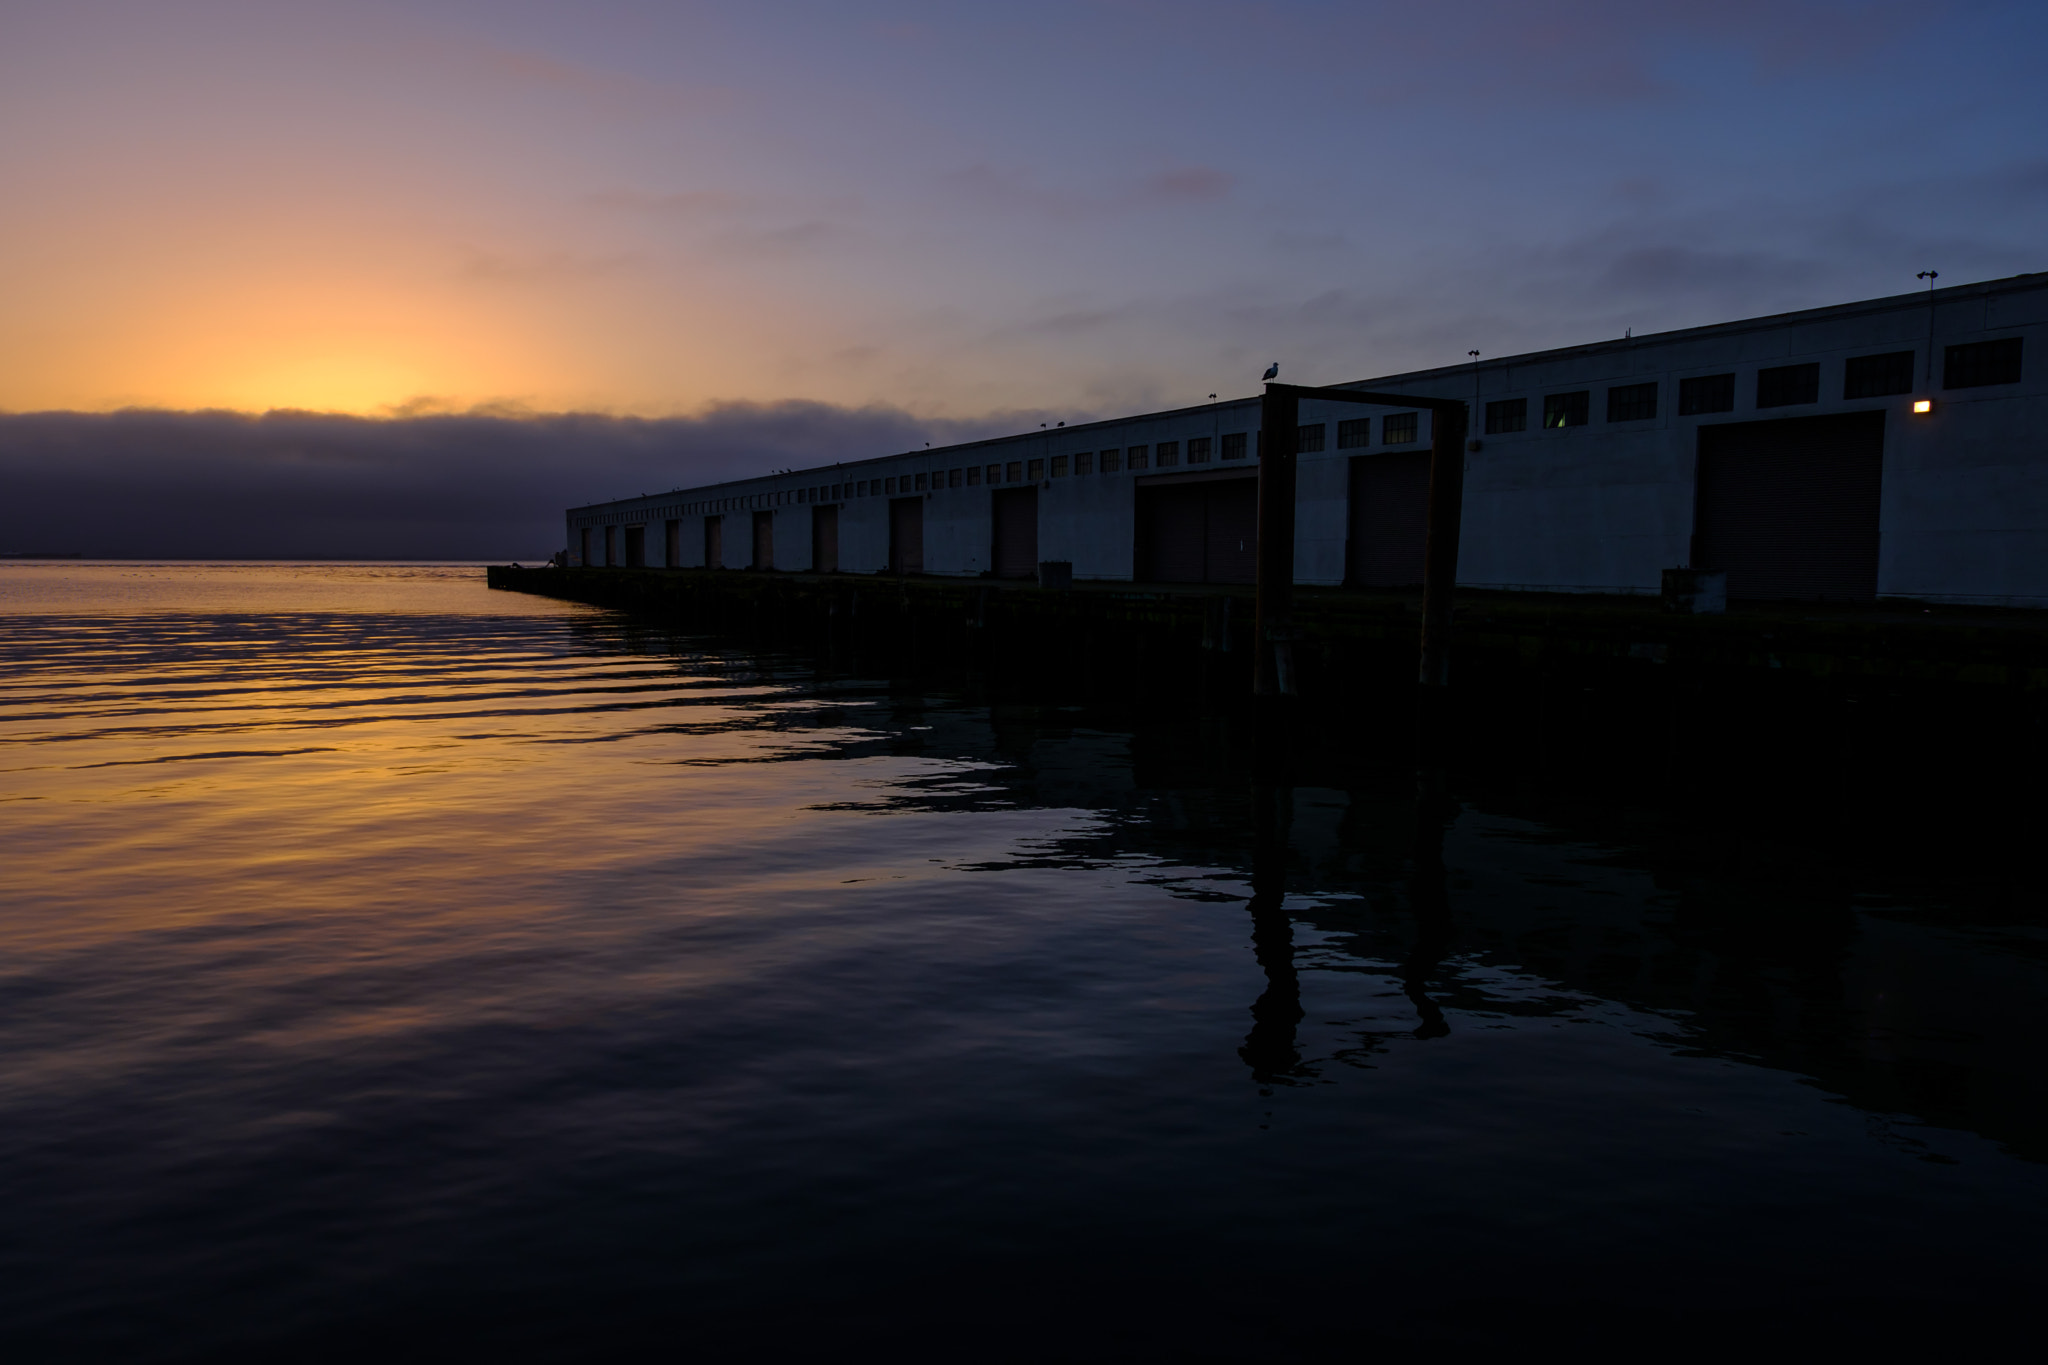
1892 448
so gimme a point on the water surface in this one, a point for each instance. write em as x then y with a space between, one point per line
390 964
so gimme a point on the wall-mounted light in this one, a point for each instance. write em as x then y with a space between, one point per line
1923 405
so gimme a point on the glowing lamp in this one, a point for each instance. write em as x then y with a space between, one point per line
1923 405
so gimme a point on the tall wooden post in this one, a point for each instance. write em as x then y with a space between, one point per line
1279 424
1440 583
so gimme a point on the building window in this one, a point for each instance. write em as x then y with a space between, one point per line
1398 429
1632 403
1781 386
1566 409
973 475
954 477
1015 472
1059 466
1354 434
1034 470
995 473
1874 376
922 483
1111 462
889 485
1084 463
1308 440
1198 450
1506 415
1708 393
1980 363
1233 445
1165 453
1134 457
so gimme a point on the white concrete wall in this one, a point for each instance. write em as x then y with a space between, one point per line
1603 507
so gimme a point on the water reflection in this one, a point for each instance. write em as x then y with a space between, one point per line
453 977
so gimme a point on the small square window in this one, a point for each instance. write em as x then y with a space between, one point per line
1981 362
973 475
1354 434
1506 415
921 483
1632 403
1308 440
1198 450
1566 409
1111 462
1233 445
1707 393
1034 470
1399 429
1165 453
1875 376
1059 466
1135 457
1014 472
1781 386
1084 463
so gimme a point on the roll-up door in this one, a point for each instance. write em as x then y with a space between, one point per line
1016 532
611 546
1198 529
825 539
636 547
672 545
906 535
1789 509
764 540
1389 518
714 542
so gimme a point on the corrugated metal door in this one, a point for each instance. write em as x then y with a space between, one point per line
906 535
1016 532
825 539
714 542
611 546
1172 534
672 545
1789 508
764 540
1389 518
1231 511
636 547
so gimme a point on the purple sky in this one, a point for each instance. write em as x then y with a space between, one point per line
962 214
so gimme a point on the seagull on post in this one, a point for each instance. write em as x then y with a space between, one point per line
1272 371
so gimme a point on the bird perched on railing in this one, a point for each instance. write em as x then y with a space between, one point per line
1272 371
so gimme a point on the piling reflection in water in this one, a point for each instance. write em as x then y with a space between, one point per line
519 982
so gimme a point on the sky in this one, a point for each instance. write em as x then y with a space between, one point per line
918 218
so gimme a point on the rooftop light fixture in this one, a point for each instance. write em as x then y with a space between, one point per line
1923 405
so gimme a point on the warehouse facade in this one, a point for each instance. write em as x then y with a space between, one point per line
1896 447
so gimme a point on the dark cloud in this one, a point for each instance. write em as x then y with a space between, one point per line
461 486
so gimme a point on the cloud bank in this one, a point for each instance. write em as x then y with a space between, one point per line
476 486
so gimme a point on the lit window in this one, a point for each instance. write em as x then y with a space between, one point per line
1399 429
1566 409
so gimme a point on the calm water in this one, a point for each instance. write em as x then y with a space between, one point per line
392 964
